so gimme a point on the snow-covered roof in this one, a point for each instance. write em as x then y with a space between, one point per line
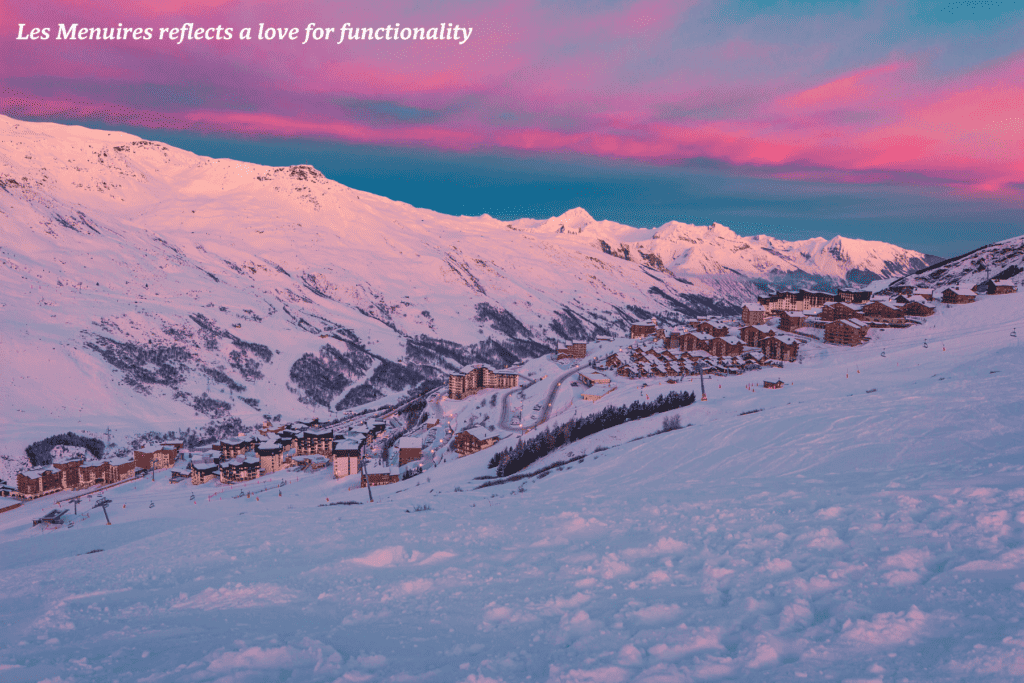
346 445
1003 283
478 433
410 442
753 307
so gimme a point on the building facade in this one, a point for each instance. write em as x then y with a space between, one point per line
478 377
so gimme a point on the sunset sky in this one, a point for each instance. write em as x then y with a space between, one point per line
901 121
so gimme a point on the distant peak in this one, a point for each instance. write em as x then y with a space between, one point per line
572 222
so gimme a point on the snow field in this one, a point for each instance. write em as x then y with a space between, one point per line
835 535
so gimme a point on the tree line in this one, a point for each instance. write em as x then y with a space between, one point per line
525 453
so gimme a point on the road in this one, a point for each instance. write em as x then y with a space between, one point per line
545 410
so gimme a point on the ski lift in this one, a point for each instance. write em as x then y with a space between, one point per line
1014 333
152 504
926 343
883 353
192 497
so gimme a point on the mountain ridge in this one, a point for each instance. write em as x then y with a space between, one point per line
250 290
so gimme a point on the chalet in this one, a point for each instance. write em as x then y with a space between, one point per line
918 308
695 341
791 320
1000 287
774 385
882 310
474 378
243 467
711 329
346 458
6 490
410 448
155 457
229 448
957 295
779 347
752 334
754 314
39 481
574 349
592 378
840 311
639 330
271 456
315 441
725 346
845 331
922 292
378 475
852 296
472 440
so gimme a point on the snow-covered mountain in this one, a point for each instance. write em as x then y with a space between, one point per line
147 287
999 261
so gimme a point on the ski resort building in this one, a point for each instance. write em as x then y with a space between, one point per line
779 347
38 481
315 442
792 320
229 448
695 341
471 440
155 457
574 349
852 296
882 310
204 468
271 456
923 292
725 346
918 308
592 378
346 458
410 448
958 295
640 330
845 331
1000 287
474 378
753 334
754 314
840 311
243 467
711 329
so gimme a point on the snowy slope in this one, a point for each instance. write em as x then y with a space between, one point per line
146 288
1002 260
835 535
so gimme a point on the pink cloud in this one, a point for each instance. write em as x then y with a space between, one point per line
535 78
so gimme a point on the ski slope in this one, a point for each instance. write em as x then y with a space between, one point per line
835 535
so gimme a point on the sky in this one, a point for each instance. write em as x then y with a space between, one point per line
901 121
